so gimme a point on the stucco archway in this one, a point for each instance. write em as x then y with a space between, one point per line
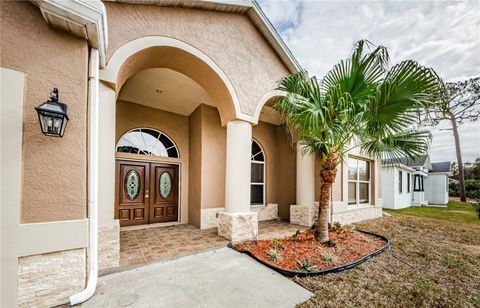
268 97
165 52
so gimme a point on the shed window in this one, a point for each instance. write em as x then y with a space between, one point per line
418 182
400 182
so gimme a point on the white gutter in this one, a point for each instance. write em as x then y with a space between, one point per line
92 181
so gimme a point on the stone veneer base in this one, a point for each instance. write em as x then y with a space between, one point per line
303 215
238 227
209 216
109 246
47 280
356 215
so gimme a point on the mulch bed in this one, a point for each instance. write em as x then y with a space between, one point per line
300 249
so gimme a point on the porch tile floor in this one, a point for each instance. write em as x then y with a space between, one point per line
152 244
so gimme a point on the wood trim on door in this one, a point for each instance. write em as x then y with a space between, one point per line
149 205
163 208
127 210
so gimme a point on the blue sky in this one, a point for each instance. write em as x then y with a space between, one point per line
444 35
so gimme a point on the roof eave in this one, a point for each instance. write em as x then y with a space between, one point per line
85 19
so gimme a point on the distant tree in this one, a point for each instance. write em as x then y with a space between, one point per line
473 170
462 106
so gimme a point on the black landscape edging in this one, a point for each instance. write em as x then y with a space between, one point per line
339 269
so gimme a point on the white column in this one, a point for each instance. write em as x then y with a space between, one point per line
305 177
237 189
238 223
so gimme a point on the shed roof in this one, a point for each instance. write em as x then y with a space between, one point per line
420 161
444 166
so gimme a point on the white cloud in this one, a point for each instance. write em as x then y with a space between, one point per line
444 35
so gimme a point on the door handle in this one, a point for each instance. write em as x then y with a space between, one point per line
146 194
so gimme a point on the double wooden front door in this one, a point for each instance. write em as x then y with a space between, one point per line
146 192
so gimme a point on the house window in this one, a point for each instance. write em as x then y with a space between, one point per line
257 182
358 181
400 182
418 182
147 141
408 182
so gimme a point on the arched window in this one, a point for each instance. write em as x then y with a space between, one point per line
257 182
147 141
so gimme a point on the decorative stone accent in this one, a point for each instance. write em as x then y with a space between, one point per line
238 227
303 215
208 217
266 212
47 280
109 246
356 215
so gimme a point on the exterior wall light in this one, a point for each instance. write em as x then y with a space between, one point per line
53 116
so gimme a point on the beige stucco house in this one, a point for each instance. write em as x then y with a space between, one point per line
170 122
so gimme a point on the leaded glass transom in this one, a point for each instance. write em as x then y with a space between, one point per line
147 141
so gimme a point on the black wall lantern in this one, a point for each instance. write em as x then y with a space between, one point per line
53 116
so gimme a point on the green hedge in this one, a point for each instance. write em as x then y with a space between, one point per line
472 188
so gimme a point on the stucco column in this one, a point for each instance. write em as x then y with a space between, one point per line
108 227
305 177
237 223
305 211
237 179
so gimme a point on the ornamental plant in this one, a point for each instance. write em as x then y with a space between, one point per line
362 104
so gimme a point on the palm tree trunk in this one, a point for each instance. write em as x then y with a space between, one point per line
328 173
461 173
321 227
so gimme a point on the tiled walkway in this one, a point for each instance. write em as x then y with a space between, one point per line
145 245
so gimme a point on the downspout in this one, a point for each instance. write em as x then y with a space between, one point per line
92 255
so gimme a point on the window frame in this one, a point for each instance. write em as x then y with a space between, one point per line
408 183
144 130
420 183
358 182
259 162
400 182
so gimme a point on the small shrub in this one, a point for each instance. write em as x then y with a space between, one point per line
306 266
330 258
366 239
275 255
296 237
476 206
277 244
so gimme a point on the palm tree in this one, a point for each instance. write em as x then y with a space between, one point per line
361 103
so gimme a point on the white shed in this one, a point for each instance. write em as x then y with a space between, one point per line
436 185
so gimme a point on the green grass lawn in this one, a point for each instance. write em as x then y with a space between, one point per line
455 211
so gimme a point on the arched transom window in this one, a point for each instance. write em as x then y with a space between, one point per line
147 141
257 185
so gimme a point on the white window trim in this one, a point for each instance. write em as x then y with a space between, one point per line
357 187
264 175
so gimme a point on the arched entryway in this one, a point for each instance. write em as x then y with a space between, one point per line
157 83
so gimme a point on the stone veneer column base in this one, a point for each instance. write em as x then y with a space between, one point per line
357 215
109 246
238 227
48 279
303 215
266 212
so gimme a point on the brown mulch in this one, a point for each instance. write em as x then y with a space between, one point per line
291 252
